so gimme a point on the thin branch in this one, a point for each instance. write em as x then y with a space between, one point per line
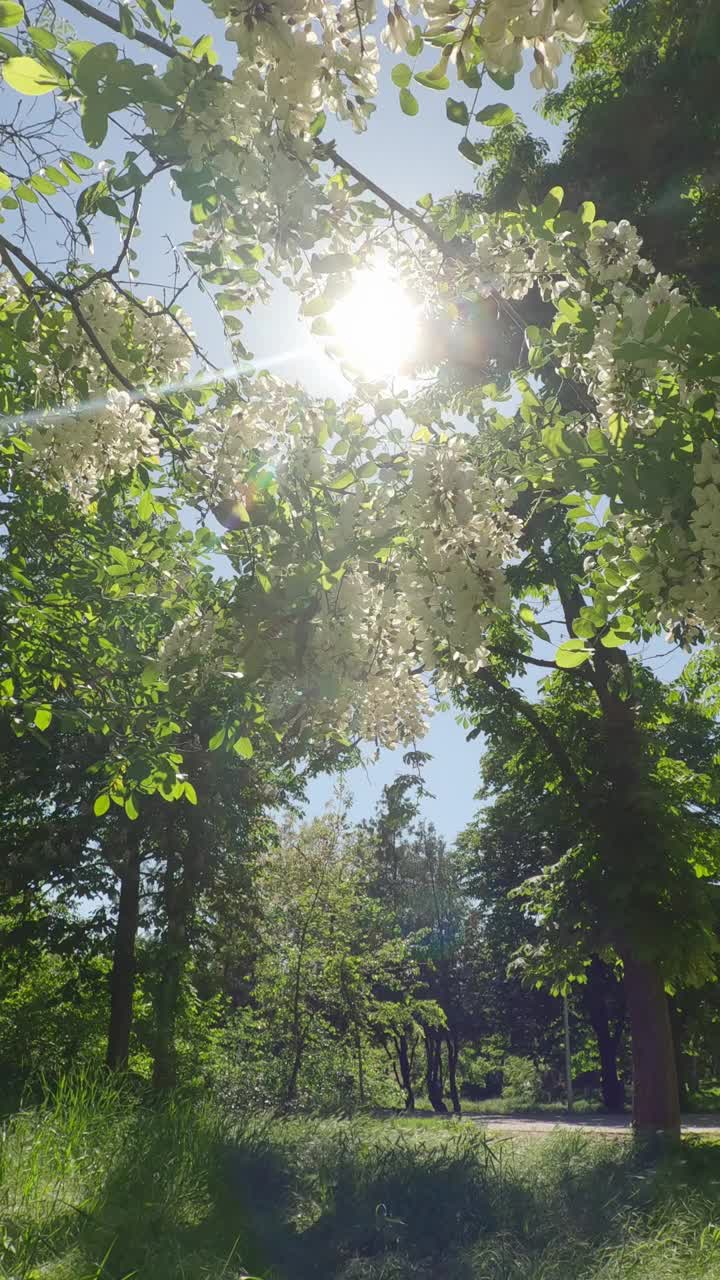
152 42
502 652
330 153
60 291
19 279
542 729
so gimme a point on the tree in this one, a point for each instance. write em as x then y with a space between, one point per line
358 556
411 871
517 834
531 832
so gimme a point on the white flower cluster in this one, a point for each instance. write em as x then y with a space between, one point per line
191 636
464 535
97 433
305 58
81 450
356 674
276 421
131 335
613 252
507 27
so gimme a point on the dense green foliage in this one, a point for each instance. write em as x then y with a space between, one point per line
642 131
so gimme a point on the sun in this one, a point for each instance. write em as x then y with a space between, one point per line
375 326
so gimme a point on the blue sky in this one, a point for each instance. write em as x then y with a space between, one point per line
408 157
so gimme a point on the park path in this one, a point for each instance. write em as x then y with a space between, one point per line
616 1126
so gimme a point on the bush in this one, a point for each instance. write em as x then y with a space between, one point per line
522 1082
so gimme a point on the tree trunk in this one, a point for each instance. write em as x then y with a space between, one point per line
405 1072
174 957
122 977
361 1070
433 1074
608 1041
678 1031
452 1057
656 1107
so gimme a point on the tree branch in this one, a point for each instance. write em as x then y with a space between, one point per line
152 42
60 291
543 730
524 657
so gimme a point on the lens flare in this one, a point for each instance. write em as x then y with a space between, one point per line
376 326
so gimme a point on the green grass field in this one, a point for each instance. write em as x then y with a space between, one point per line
99 1183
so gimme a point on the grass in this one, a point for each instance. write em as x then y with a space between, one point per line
98 1182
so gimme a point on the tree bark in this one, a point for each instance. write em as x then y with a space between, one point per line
656 1106
433 1073
405 1072
452 1058
122 977
596 1006
168 994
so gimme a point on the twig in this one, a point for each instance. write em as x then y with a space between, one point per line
152 42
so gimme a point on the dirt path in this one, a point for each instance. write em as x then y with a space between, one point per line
617 1126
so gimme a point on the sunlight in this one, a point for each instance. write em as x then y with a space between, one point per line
376 325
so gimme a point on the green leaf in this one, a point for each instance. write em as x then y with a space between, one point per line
190 793
572 654
526 613
496 114
131 809
43 718
415 46
5 182
617 426
318 124
217 740
127 26
81 161
503 79
10 14
614 639
401 75
429 80
243 747
457 111
408 103
41 37
60 179
102 804
26 193
331 263
471 151
95 65
43 185
344 481
552 202
596 440
94 121
554 439
145 506
30 77
587 212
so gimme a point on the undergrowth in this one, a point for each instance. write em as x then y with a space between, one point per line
101 1182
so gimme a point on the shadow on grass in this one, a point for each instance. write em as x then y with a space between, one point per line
102 1188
